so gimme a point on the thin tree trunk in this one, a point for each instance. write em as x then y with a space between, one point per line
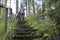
5 2
28 7
0 10
43 6
5 25
2 1
16 6
33 7
10 3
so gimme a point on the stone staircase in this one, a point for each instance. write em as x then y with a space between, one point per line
23 32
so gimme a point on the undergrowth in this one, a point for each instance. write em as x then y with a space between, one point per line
43 26
11 24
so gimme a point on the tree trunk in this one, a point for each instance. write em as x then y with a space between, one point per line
6 22
28 7
5 2
10 3
33 7
43 6
16 6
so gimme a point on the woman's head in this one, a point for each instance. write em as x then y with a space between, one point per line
21 5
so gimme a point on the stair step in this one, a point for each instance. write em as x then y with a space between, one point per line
25 37
23 33
22 36
23 22
25 29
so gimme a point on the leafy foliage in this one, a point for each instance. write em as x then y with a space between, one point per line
11 25
44 28
1 26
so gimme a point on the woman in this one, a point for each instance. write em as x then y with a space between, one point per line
22 13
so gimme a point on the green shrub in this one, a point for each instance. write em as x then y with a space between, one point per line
1 26
10 26
44 28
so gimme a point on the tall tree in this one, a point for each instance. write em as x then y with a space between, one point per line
10 3
33 6
16 6
5 2
28 6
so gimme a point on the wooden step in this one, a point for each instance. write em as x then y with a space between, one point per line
24 26
22 22
23 33
26 29
25 37
22 39
22 36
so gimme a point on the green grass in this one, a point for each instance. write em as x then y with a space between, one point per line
33 21
1 26
11 25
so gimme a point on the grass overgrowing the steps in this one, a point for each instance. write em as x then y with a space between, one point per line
11 25
1 26
44 28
